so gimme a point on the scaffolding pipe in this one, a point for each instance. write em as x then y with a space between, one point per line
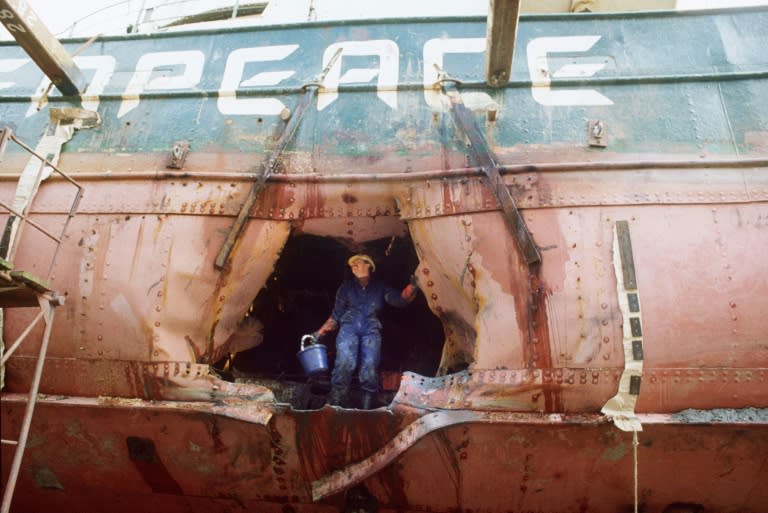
21 338
10 485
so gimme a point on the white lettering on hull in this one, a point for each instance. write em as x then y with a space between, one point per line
232 80
388 71
142 80
434 55
538 68
104 68
8 66
183 70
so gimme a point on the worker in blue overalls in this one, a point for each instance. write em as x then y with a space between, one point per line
358 303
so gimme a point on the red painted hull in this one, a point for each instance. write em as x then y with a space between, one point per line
80 458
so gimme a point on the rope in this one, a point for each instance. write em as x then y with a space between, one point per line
634 451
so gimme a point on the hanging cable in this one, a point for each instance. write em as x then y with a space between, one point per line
634 452
388 251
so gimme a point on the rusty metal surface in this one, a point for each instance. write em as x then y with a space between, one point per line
143 279
193 311
527 360
190 457
569 390
421 195
82 377
483 157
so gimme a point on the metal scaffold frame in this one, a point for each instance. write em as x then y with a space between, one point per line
19 288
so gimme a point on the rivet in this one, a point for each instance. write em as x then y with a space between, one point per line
604 306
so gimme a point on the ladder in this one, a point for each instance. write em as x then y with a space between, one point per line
19 288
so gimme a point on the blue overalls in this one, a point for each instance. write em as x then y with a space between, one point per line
356 311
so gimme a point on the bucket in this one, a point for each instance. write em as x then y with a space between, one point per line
313 357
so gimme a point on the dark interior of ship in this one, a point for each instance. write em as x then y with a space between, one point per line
299 297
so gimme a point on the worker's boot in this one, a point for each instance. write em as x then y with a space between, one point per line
368 401
335 397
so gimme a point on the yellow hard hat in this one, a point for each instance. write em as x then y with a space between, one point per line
361 256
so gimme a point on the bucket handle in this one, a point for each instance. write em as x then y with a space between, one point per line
311 338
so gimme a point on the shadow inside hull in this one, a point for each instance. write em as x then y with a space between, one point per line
299 296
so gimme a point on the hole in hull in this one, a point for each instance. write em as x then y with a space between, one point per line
299 297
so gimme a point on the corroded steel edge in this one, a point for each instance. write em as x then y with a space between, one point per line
238 408
172 381
664 390
224 409
350 475
306 446
295 196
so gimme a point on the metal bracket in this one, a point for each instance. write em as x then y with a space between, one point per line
80 118
443 77
487 162
178 155
597 134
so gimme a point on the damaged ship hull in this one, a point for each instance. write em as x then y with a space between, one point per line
589 243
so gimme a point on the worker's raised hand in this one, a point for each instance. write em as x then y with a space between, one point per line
409 292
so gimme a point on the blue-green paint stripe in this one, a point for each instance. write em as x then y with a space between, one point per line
419 86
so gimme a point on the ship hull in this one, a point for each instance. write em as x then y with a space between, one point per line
108 454
589 244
